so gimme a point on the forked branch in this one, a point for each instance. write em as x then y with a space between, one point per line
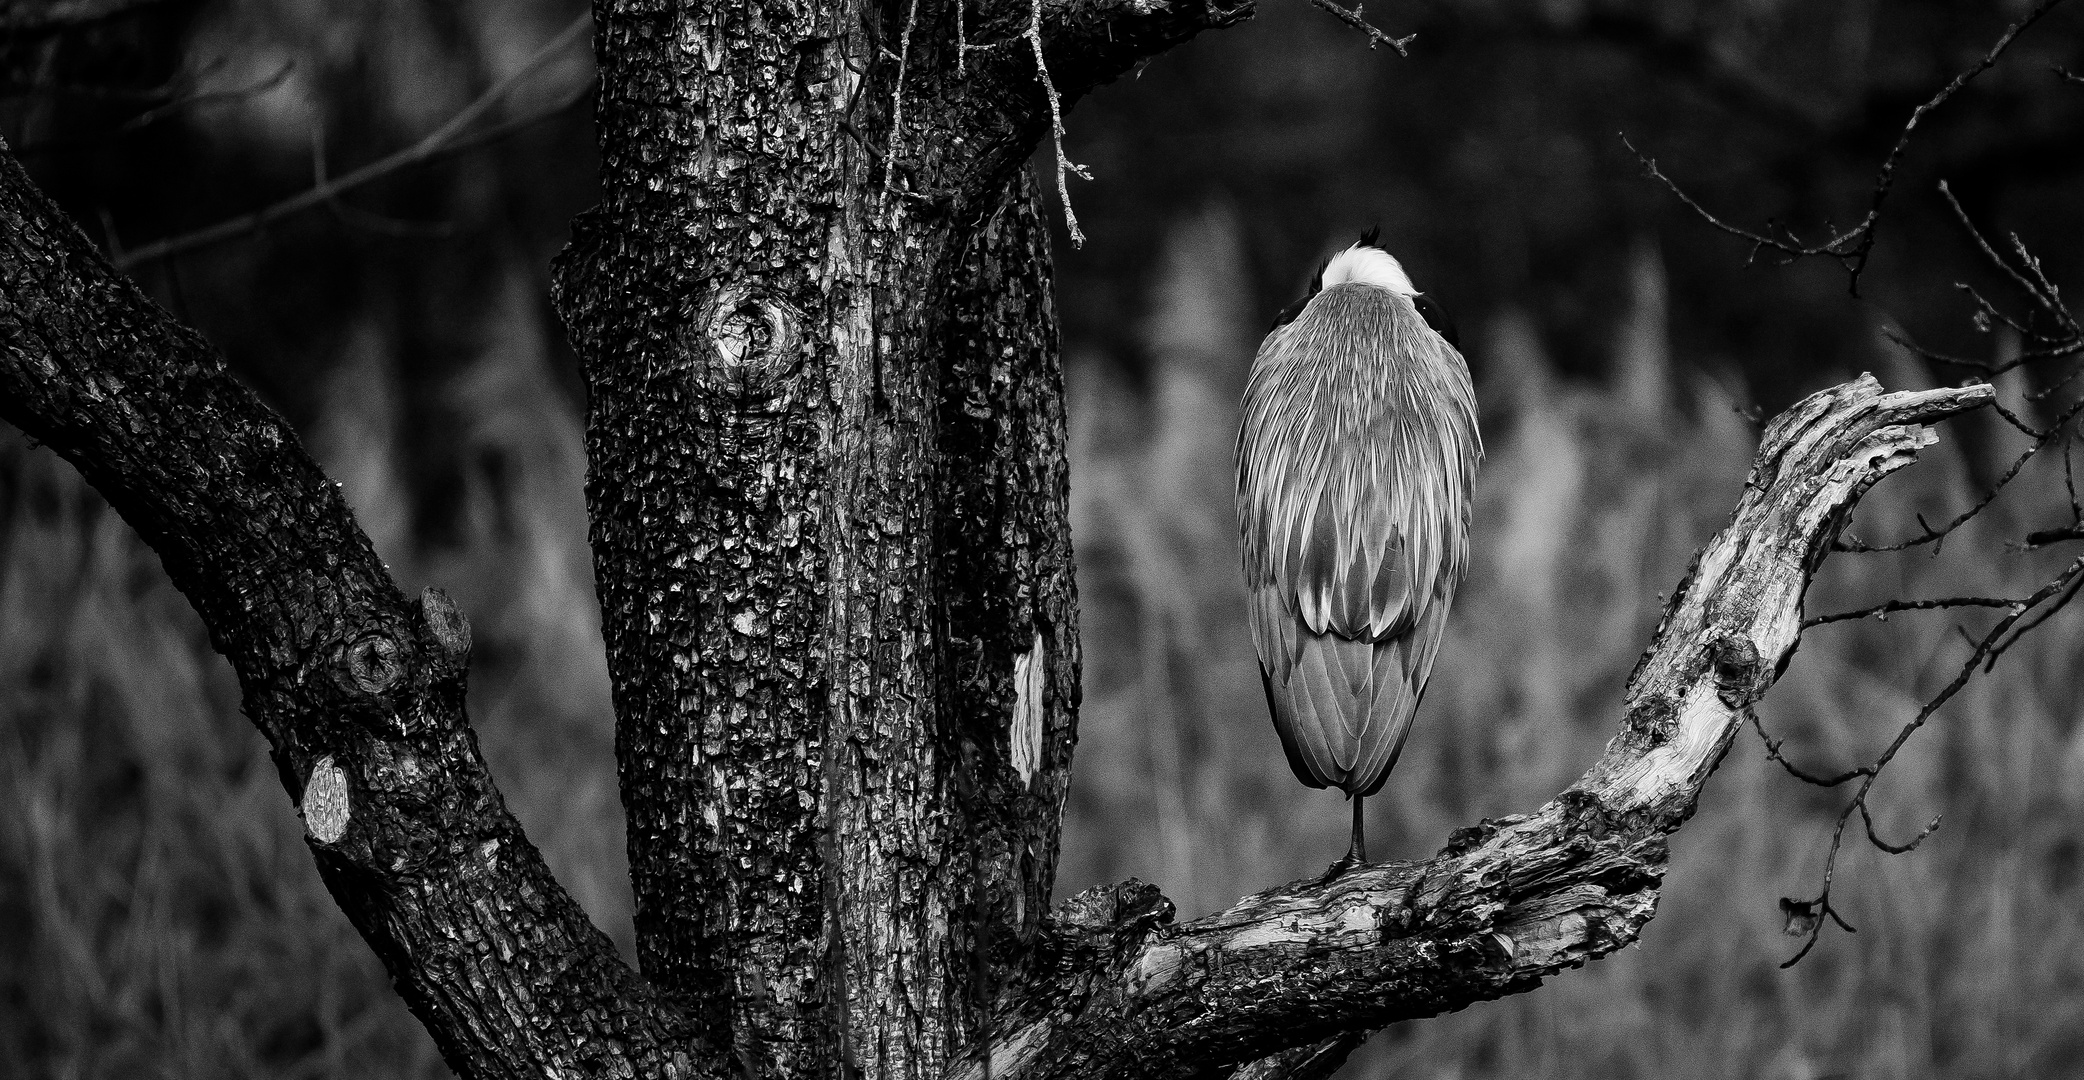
1506 903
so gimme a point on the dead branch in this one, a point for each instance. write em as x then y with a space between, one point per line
1353 18
1064 165
1506 903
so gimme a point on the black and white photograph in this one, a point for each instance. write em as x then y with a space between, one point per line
1041 540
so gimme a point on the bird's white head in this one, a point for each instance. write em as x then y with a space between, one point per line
1364 262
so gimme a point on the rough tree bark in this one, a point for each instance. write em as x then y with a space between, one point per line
829 504
828 496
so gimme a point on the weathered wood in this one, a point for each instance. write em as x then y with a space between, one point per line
1506 903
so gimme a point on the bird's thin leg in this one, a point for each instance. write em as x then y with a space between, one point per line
1356 852
1357 855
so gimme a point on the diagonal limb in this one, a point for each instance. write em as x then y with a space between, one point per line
358 689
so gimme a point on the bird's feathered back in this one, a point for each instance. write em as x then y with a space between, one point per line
1356 468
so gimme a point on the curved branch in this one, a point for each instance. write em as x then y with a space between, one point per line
1506 903
358 690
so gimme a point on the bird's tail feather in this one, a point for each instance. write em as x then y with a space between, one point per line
1389 717
1344 711
1277 706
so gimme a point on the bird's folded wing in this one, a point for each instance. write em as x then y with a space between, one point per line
1354 503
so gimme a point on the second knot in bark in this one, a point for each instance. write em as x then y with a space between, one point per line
743 345
372 664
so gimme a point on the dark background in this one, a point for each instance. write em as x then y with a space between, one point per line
158 915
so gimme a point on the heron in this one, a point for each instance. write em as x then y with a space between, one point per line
1356 467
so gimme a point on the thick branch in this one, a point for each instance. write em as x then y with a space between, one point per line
359 691
1507 903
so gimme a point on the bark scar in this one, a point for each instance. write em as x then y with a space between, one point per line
325 804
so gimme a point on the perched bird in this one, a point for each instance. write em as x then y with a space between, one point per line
1355 468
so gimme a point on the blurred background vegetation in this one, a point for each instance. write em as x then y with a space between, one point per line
159 915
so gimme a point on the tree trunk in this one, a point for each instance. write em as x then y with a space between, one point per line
829 504
828 496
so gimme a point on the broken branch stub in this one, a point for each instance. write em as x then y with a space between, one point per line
1506 903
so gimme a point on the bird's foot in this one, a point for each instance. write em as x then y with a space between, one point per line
1352 861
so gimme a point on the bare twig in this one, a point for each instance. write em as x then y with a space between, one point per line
1064 165
963 48
1990 370
2018 423
1985 652
2045 537
1773 754
2069 482
897 97
355 216
1881 611
1930 535
446 139
1851 246
2044 290
1353 18
2043 615
2036 287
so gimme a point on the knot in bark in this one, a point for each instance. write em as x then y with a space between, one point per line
373 663
743 344
1132 904
1735 661
1653 719
1104 925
